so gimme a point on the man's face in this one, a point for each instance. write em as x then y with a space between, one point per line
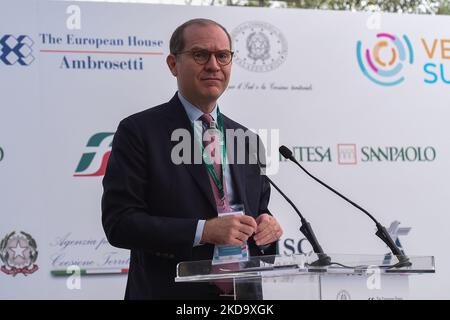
202 85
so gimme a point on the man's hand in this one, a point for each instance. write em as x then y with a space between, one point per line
268 230
229 230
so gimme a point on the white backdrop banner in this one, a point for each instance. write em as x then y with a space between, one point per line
361 99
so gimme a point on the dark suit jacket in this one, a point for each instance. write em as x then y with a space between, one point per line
151 205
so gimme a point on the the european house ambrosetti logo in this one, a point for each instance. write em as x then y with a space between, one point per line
16 50
352 154
84 52
385 59
81 52
94 160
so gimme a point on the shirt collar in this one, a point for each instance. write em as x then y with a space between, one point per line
193 112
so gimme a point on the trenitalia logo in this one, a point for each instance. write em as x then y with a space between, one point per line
16 50
384 62
351 154
93 163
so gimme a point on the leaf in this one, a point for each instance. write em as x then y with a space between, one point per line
32 243
27 235
33 257
30 239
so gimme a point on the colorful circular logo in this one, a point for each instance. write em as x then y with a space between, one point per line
258 46
383 64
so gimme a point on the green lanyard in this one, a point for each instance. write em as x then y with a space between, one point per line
208 161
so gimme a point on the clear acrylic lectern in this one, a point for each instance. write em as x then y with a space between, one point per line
349 276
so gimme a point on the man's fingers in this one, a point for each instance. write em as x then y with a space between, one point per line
265 227
250 221
269 238
241 227
262 233
262 226
246 229
263 218
268 233
236 242
240 236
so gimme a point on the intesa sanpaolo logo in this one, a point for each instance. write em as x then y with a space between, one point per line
16 50
93 162
384 61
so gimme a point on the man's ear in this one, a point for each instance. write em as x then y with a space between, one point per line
172 64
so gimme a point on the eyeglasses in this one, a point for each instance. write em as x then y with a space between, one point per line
223 57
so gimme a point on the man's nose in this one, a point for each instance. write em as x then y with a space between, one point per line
212 64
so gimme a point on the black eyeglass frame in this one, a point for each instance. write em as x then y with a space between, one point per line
193 52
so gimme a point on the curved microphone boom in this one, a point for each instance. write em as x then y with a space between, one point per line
382 233
306 229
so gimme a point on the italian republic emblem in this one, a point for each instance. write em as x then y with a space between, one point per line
18 253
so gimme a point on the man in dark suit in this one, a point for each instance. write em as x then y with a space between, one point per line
165 211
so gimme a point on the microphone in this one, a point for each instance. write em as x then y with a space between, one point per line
306 229
382 233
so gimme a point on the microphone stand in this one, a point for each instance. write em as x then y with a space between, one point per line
382 233
306 229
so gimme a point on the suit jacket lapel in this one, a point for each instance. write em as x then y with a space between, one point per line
178 119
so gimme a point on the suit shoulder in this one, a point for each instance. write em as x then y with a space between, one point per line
150 115
230 123
233 125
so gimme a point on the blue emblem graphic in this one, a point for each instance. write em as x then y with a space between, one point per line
16 50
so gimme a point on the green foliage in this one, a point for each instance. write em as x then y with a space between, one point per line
444 7
393 6
399 6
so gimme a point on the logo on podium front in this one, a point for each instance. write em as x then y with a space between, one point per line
343 295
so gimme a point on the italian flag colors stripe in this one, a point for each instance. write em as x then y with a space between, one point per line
86 272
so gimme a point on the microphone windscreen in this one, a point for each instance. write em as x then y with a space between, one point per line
285 152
